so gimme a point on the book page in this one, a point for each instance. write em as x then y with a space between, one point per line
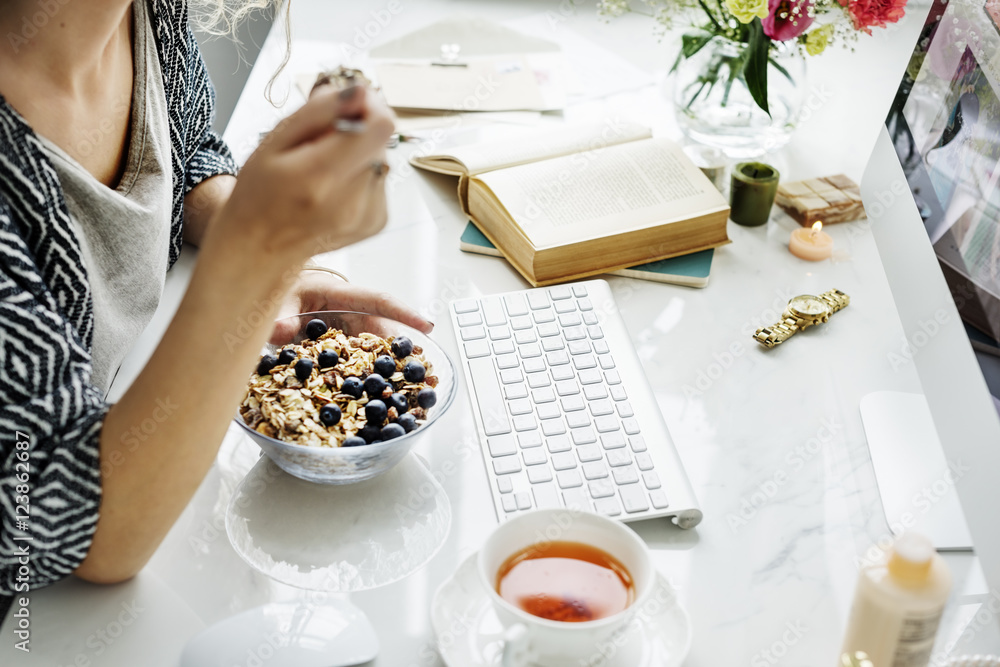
603 193
538 145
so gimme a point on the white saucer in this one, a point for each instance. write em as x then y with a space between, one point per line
468 632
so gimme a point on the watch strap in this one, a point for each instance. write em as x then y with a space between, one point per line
836 299
776 334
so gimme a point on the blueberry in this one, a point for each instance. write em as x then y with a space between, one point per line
407 421
402 347
390 431
374 385
328 358
385 366
370 433
329 414
315 329
376 412
414 371
426 398
303 369
354 441
352 387
398 401
267 362
287 356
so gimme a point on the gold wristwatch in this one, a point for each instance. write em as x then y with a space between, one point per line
802 312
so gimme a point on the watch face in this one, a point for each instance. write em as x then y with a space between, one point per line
808 306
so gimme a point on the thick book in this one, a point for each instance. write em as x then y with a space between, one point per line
573 202
688 270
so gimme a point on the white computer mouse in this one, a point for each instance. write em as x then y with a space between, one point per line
333 633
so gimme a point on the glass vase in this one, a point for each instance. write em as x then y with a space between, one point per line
714 106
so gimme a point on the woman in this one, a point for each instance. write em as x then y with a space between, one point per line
106 163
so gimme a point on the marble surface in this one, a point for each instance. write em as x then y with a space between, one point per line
772 440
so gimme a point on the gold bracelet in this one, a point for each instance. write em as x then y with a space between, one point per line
316 267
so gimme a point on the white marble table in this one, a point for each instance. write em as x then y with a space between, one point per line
772 440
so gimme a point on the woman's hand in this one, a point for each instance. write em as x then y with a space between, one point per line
317 290
309 188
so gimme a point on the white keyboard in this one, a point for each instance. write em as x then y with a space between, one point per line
565 414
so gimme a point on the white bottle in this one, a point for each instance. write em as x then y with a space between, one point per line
898 605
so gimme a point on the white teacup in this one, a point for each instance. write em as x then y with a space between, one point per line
531 639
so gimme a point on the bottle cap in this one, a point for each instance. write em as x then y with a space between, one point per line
856 659
911 557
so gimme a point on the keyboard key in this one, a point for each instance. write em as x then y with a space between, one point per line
574 333
569 479
594 392
618 392
606 424
517 390
606 361
583 436
558 443
546 495
505 483
505 361
516 304
625 475
573 403
589 376
538 299
505 346
505 464
533 365
651 480
608 506
625 409
588 453
522 323
601 347
619 457
579 290
511 375
658 498
569 319
466 306
529 439
585 361
567 387
508 502
601 407
557 358
469 319
564 372
551 344
521 406
601 488
644 461
634 499
539 474
530 350
473 333
594 331
612 377
493 312
501 445
577 499
524 422
477 348
613 440
499 333
559 292
543 316
577 419
566 306
526 336
637 443
564 461
538 380
595 470
543 395
553 427
630 425
579 347
584 304
487 392
523 500
589 317
547 410
547 329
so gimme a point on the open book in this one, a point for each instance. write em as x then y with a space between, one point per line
573 202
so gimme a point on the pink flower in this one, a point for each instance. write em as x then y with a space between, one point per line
787 19
878 13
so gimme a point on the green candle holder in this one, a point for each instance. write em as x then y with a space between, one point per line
751 193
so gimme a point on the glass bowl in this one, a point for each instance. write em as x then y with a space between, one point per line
347 465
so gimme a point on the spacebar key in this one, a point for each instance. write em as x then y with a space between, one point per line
491 403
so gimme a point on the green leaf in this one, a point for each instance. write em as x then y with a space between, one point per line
755 72
780 68
691 43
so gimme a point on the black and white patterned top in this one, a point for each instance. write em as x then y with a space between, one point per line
47 399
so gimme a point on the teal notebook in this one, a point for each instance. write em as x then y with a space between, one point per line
689 270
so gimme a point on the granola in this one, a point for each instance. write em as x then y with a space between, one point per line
308 396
